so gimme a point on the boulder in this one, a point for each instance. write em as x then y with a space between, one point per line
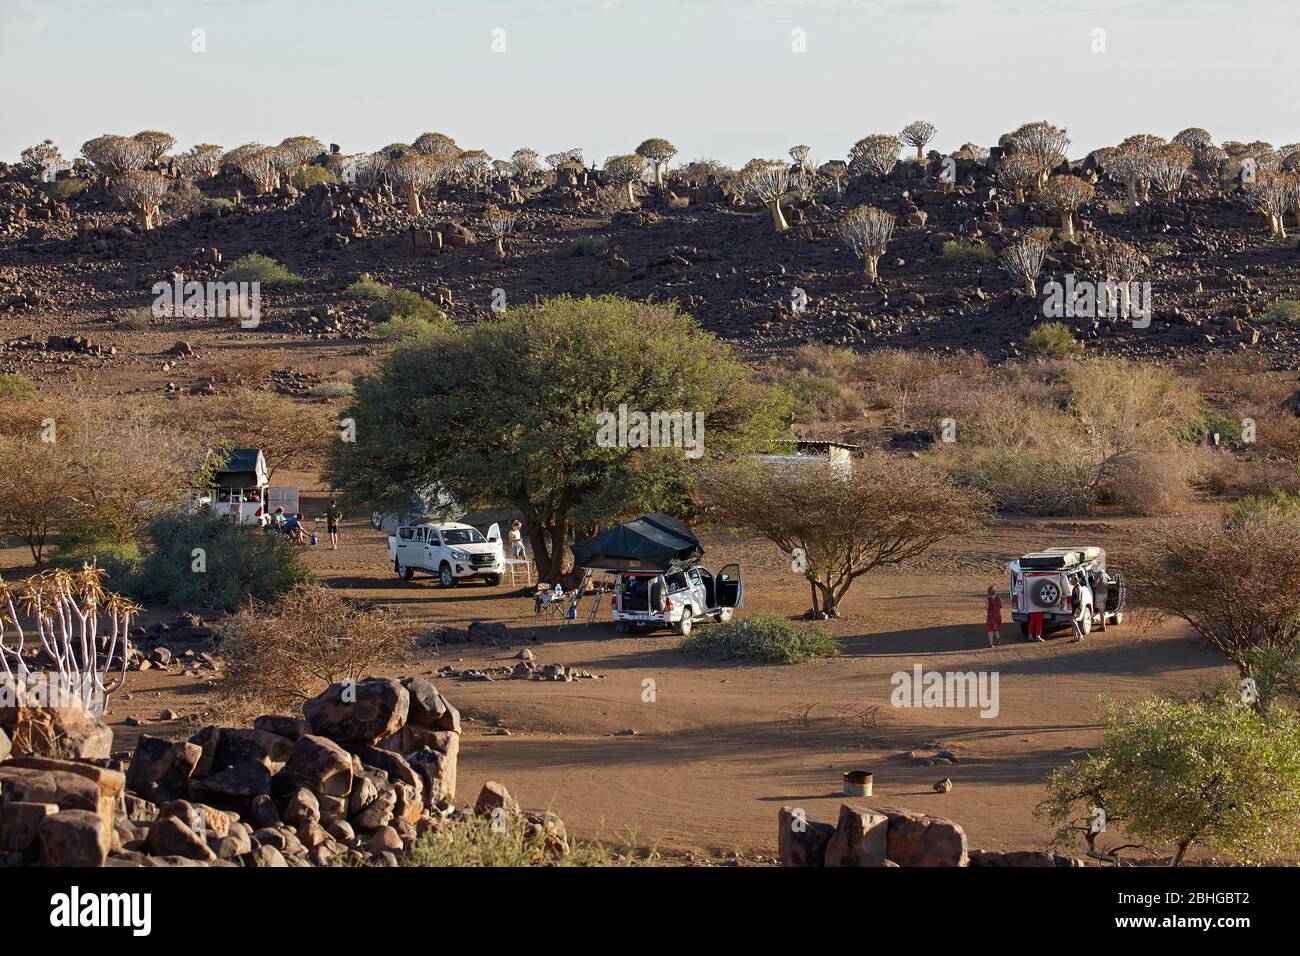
64 731
235 785
160 769
204 820
5 745
361 712
69 791
428 707
237 746
320 764
861 838
74 838
290 728
302 808
916 839
378 812
494 797
800 841
20 823
169 836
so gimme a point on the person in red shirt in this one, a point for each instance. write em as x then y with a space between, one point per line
993 615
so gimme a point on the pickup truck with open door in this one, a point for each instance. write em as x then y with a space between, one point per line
650 600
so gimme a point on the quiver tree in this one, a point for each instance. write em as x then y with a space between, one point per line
918 134
658 152
438 145
1170 166
1193 137
44 155
414 174
866 230
1273 194
298 151
156 144
836 170
1134 162
111 156
140 193
875 155
841 523
1023 261
1016 174
624 170
474 165
766 181
500 223
804 173
1066 194
1121 261
1044 143
200 162
260 165
524 163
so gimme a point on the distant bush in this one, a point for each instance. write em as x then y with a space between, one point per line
281 653
137 320
61 190
332 389
256 267
16 387
82 540
406 327
768 638
1052 340
1199 429
239 563
310 176
477 841
824 382
963 250
1282 310
403 314
1279 504
367 287
586 246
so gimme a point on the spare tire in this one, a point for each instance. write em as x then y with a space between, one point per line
1045 592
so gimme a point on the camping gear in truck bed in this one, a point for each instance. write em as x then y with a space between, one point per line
654 542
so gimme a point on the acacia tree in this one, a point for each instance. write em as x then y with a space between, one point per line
659 153
624 170
1017 173
918 133
552 369
1023 261
840 524
876 155
866 230
140 193
36 490
414 174
1044 143
1066 194
766 181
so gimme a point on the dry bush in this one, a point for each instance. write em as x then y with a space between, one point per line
1242 377
824 380
894 378
290 435
279 656
1157 482
241 368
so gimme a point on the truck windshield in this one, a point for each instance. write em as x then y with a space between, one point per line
462 536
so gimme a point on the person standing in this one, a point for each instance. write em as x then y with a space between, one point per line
332 518
1100 594
517 541
1035 626
1076 611
993 615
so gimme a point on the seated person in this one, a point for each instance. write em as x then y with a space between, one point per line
293 527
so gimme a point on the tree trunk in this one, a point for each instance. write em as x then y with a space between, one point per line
1131 184
919 154
1067 225
830 603
412 200
631 195
812 586
778 218
869 265
501 247
1031 286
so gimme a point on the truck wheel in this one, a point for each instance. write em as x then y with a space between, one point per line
404 573
445 577
684 625
492 580
725 615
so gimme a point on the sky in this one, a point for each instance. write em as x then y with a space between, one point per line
726 79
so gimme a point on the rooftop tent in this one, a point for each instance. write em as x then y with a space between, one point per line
653 542
242 468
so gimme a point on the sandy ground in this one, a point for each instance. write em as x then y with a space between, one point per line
719 747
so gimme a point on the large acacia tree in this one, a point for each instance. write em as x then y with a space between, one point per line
506 412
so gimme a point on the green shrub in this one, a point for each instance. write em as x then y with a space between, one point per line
256 267
62 190
367 287
1282 310
586 246
1052 340
966 250
406 327
310 176
403 314
1258 507
476 841
1198 430
239 563
762 637
331 389
137 320
16 387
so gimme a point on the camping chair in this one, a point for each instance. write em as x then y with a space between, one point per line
550 604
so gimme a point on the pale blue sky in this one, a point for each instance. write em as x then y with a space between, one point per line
717 77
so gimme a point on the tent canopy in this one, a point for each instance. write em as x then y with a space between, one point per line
653 542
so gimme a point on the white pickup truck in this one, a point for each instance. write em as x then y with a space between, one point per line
452 552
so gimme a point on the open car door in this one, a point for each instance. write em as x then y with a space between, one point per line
729 587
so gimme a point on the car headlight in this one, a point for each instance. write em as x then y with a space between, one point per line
460 555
